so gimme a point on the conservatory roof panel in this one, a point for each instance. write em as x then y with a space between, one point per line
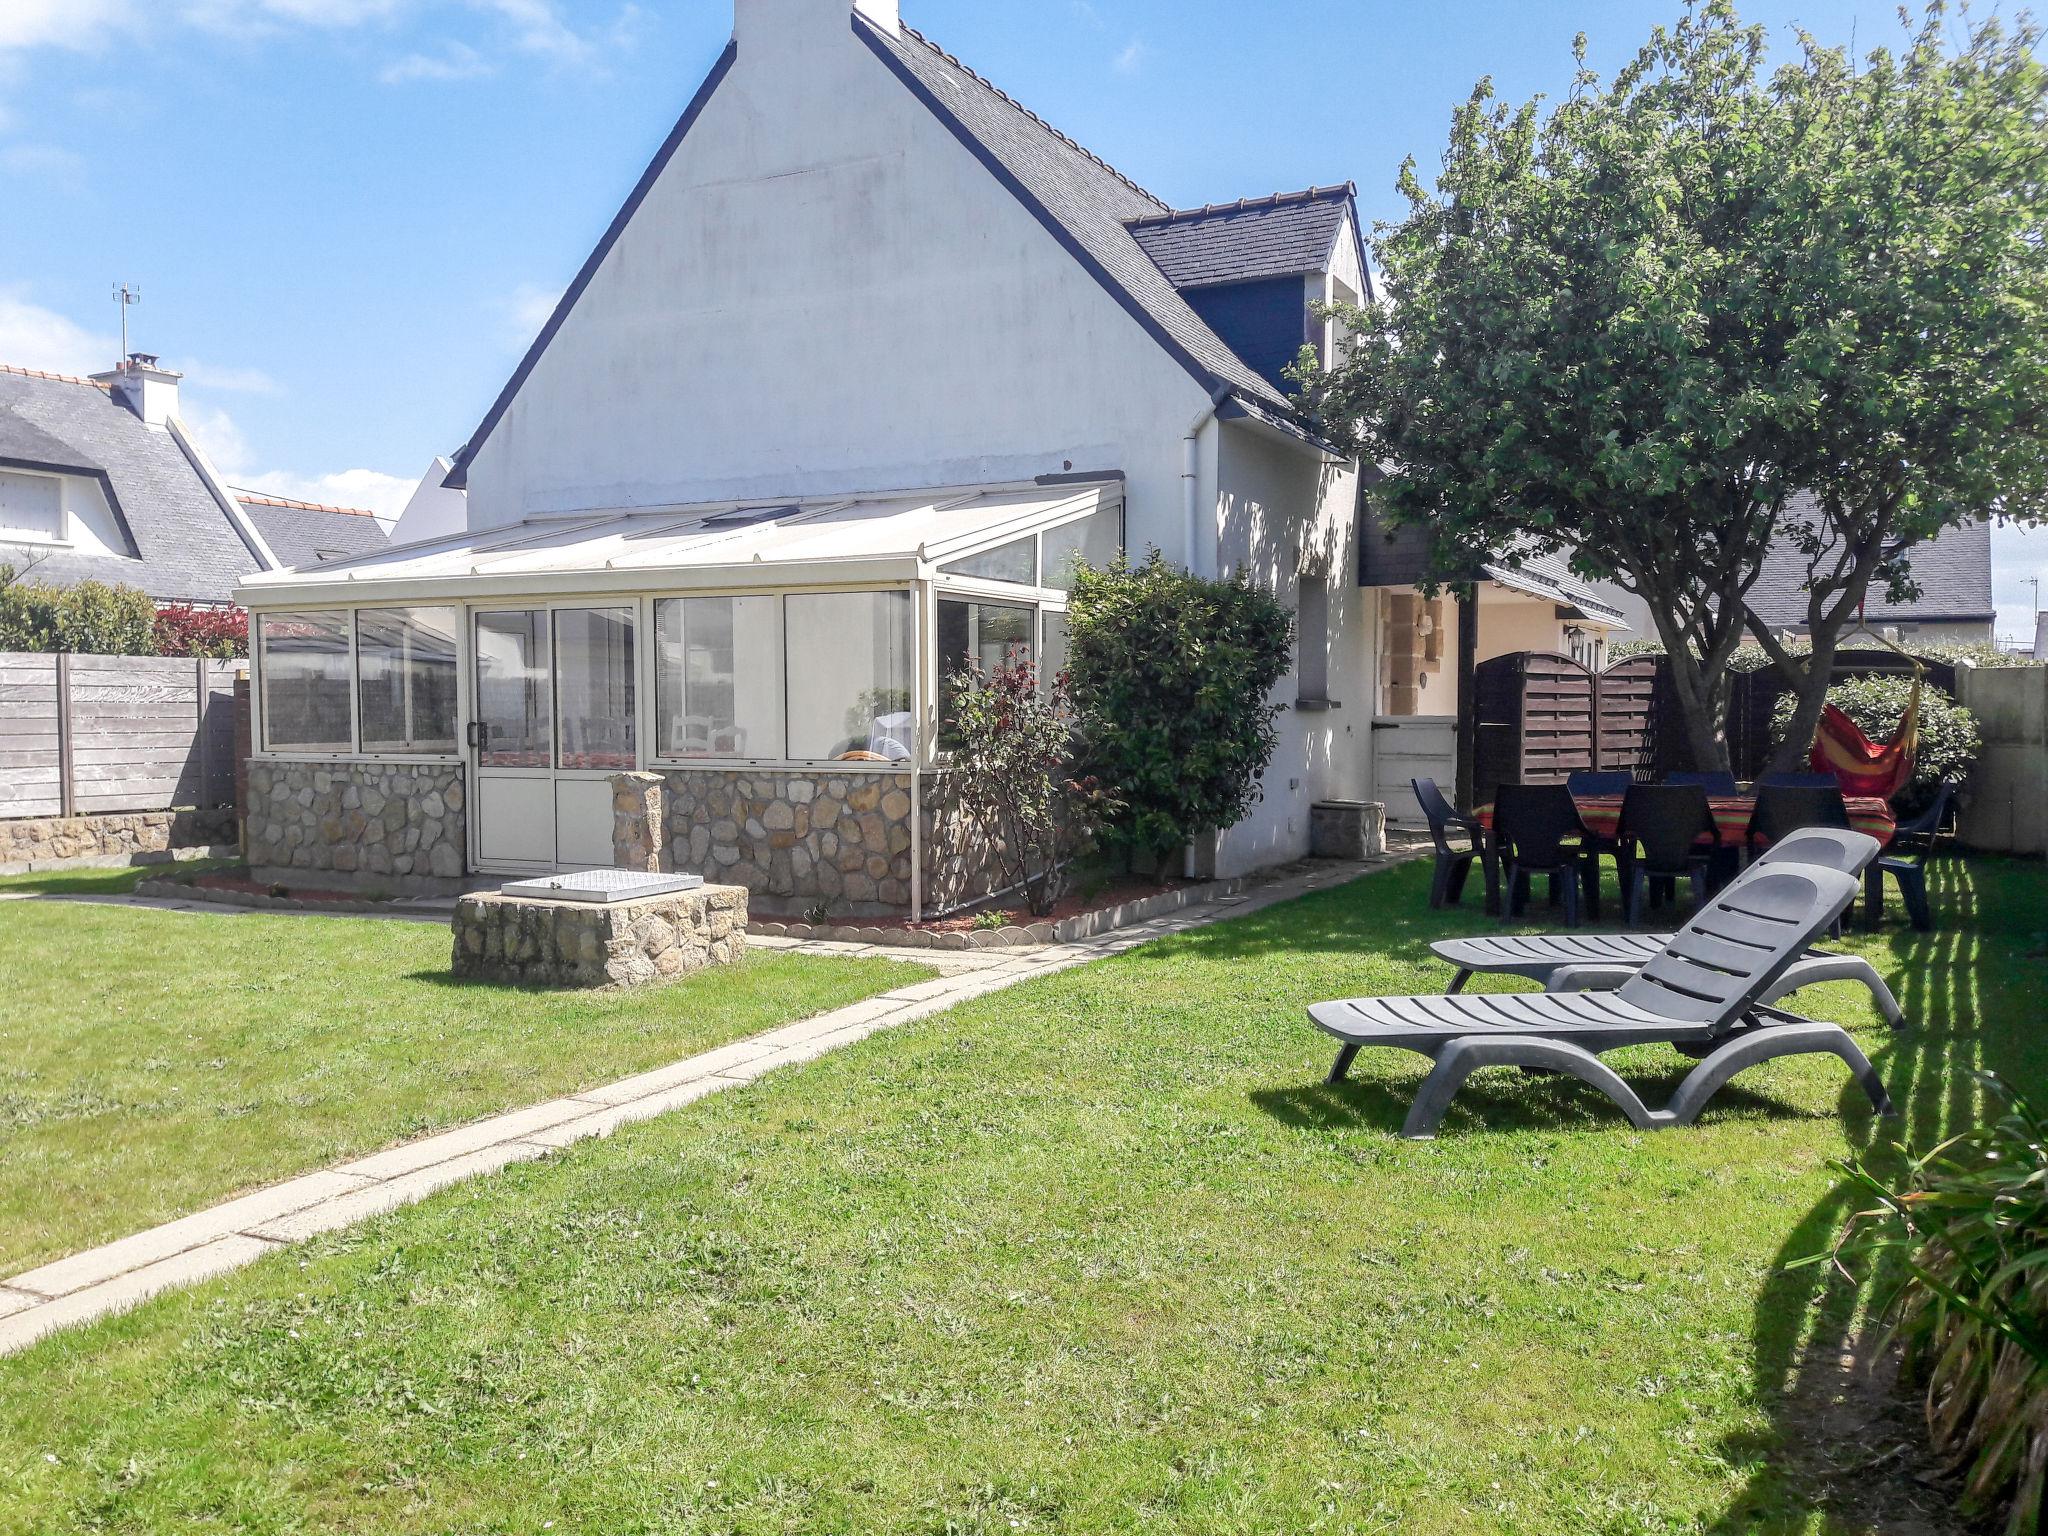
892 536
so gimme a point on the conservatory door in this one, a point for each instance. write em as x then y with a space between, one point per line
511 740
554 721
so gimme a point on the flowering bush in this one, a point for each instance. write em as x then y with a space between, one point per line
185 630
1012 746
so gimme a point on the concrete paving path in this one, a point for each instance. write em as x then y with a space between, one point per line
120 1274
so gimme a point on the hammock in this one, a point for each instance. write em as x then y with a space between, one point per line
1862 766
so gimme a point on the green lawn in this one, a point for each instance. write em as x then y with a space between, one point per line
1099 1253
152 1063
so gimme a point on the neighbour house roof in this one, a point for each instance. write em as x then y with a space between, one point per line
1952 570
1285 235
182 544
1549 577
1085 202
883 538
303 533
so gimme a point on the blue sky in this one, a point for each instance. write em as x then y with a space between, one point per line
347 217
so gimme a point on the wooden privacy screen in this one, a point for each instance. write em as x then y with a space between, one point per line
1544 717
84 735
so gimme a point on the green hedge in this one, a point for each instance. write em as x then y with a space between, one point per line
92 618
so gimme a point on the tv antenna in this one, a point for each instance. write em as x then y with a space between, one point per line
125 296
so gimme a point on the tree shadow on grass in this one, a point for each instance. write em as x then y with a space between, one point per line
1844 1444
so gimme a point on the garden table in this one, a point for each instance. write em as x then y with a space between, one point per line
1600 815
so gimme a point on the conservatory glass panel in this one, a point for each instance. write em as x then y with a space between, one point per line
975 636
1016 562
1095 540
849 669
406 670
305 681
718 676
594 688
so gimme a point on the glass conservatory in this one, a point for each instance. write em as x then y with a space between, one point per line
742 640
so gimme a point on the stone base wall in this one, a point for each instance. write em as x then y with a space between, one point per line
130 834
398 826
528 942
959 867
792 840
1347 829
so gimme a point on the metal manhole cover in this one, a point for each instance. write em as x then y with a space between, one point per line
602 886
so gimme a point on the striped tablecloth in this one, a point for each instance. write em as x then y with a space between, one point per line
1601 815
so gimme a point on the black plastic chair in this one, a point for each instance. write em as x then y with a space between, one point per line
1453 864
1538 831
1589 781
1661 825
1585 783
1905 860
1798 781
1714 782
1782 808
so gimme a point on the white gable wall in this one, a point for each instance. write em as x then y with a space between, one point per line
825 291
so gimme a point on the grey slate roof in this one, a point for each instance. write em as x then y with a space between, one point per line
1550 576
185 547
1288 234
1952 570
1091 202
303 533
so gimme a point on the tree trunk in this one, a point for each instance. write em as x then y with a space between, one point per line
1812 693
1702 697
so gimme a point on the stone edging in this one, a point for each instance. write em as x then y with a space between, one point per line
1068 930
119 1275
158 889
142 860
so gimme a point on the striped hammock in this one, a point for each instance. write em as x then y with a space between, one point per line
1861 765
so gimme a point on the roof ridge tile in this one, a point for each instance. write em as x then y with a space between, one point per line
1345 189
55 378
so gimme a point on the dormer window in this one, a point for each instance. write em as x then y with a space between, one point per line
31 507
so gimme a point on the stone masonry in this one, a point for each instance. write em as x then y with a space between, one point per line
399 826
639 835
54 839
791 839
531 942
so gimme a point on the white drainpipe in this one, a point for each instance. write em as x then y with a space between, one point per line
1190 474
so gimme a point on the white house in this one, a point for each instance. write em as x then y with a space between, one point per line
868 349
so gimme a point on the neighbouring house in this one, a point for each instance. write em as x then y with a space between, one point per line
99 479
869 352
1952 571
310 533
435 510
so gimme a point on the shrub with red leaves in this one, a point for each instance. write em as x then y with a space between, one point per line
185 630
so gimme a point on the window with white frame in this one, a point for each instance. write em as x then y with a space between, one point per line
849 670
1095 541
406 670
718 677
305 668
31 507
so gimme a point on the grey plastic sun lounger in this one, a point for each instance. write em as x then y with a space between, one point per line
1701 991
1570 961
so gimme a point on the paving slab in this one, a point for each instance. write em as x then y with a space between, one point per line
376 1199
117 1295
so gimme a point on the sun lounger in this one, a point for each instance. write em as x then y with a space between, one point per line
1702 991
1571 961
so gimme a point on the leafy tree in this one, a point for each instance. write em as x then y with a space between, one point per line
1171 673
1012 762
1637 327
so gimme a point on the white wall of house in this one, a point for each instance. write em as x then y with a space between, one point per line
434 511
825 292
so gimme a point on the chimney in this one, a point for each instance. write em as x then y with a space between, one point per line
770 22
150 391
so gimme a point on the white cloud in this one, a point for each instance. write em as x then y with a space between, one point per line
215 432
61 23
369 489
1132 56
456 61
240 381
260 18
537 28
527 311
34 337
48 161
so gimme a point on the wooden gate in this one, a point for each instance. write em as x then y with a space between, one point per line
1537 721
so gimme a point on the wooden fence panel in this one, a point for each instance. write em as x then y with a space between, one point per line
87 735
1626 695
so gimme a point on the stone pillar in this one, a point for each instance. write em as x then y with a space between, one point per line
639 830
